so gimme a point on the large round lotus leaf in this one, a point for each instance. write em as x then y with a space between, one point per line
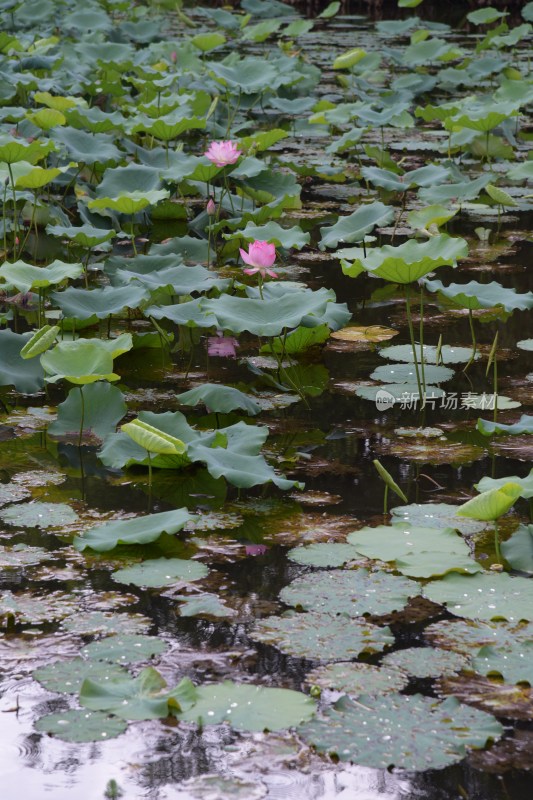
408 261
249 708
10 493
81 361
125 648
219 398
321 636
354 227
401 393
22 555
426 662
323 554
25 276
494 596
159 572
352 592
38 515
398 373
496 483
356 679
491 505
474 295
203 604
405 731
514 663
511 701
84 235
68 676
436 515
130 202
448 355
80 725
93 622
101 303
417 552
100 409
466 636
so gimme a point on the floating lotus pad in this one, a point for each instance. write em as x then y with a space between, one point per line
141 530
352 592
357 679
322 637
249 708
125 648
324 554
514 664
426 662
39 515
22 555
448 354
484 597
405 731
436 515
80 725
518 550
417 552
94 622
159 572
466 636
68 676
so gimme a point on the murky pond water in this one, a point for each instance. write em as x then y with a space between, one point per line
265 581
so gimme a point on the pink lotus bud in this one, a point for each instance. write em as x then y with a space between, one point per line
222 346
222 153
17 240
260 256
256 549
173 56
211 207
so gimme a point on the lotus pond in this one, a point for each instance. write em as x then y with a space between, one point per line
266 391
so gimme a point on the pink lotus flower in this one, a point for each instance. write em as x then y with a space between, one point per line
222 153
260 256
211 207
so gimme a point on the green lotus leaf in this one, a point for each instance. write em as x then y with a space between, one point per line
525 483
322 637
419 552
40 341
514 664
436 515
57 102
203 604
38 514
330 10
152 439
84 235
298 341
518 550
426 662
525 344
399 393
324 554
467 636
193 314
490 428
484 596
81 361
388 480
26 277
262 30
220 399
447 354
356 679
249 708
68 676
396 373
500 197
137 698
26 375
484 16
272 232
47 118
409 261
87 148
82 304
130 203
436 215
100 410
521 172
126 648
141 530
356 226
79 725
159 572
106 622
474 295
350 592
169 126
349 59
37 177
483 118
13 150
405 731
492 504
208 41
455 192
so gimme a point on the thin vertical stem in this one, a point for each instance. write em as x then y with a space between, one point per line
421 336
82 420
412 337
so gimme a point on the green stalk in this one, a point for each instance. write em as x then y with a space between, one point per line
474 340
497 542
421 337
385 500
80 437
412 337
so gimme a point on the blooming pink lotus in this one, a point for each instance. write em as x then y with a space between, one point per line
222 153
260 256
